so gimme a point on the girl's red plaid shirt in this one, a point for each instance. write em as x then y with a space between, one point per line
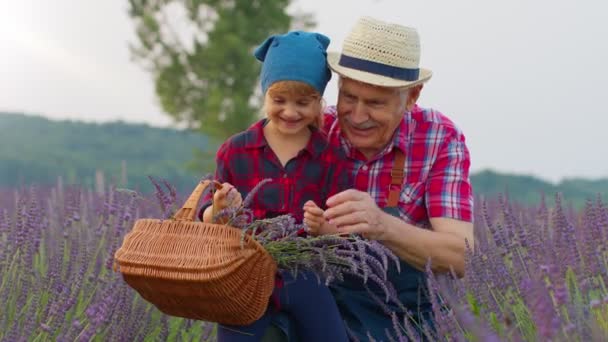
316 173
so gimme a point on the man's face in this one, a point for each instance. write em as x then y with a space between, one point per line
369 115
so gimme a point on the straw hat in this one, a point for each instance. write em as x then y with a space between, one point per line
380 53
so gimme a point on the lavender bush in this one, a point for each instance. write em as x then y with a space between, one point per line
57 283
536 272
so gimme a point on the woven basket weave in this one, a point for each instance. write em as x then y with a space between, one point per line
197 270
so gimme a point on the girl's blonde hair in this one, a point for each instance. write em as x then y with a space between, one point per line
296 88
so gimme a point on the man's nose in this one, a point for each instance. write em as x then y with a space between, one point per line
359 113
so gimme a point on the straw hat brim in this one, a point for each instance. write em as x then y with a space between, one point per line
334 57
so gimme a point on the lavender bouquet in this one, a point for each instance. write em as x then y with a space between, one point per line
329 257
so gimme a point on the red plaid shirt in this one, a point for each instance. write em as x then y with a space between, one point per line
436 171
316 173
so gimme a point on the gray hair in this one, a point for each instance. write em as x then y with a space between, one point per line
404 93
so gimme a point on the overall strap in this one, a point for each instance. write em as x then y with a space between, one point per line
397 176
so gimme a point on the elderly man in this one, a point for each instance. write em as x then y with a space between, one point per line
410 167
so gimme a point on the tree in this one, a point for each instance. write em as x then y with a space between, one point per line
200 53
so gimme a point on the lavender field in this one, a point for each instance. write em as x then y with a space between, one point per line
538 273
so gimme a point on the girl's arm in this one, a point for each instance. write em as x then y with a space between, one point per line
222 175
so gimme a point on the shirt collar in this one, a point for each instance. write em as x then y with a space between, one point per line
402 134
254 135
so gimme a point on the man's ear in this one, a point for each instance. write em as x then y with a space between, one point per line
412 96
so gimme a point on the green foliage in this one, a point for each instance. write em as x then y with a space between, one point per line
37 150
200 55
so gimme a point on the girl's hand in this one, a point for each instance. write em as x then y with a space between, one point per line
224 197
227 196
313 218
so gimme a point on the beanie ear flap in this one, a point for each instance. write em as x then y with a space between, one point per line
323 39
260 51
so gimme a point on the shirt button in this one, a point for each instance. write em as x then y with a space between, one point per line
364 168
285 176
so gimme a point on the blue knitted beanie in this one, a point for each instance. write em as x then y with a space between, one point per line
294 56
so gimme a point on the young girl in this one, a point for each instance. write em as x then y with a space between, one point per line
288 147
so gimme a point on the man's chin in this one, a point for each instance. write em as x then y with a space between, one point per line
359 142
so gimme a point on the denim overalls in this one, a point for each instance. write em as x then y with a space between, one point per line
362 314
359 310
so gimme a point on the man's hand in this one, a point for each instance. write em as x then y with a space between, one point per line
355 212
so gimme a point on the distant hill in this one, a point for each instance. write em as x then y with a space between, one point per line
529 189
37 150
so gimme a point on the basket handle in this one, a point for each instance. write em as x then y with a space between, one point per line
188 210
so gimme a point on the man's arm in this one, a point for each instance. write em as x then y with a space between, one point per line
444 244
449 203
355 212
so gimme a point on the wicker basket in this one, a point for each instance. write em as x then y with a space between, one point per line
197 270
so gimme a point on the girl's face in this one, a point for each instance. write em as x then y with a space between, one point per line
292 112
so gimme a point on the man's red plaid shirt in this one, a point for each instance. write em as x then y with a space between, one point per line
436 171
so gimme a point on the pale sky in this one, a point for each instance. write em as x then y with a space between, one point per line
523 79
